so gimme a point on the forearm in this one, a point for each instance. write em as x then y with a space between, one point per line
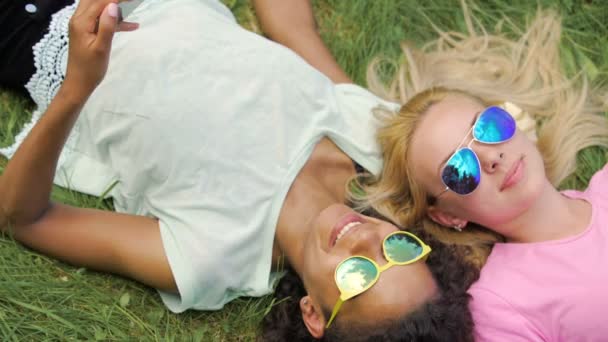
28 178
292 23
281 19
25 186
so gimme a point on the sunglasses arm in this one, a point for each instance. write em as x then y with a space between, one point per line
334 312
442 192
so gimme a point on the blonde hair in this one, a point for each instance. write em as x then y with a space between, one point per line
490 68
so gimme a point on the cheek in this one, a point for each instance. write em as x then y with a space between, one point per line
318 269
320 284
493 210
484 207
478 209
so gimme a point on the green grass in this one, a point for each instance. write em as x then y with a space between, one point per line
45 300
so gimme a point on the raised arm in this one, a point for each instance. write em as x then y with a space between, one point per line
292 23
106 241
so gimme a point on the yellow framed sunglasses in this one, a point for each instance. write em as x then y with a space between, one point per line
357 274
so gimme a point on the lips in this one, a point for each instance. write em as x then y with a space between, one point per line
342 223
513 175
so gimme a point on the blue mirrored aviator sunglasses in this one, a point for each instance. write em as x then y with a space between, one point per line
462 172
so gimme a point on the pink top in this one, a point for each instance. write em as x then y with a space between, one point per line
548 291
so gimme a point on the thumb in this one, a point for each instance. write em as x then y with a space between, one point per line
107 26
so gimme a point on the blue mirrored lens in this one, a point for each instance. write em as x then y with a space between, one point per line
462 172
401 247
355 274
493 126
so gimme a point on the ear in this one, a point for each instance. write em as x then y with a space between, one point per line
445 218
313 318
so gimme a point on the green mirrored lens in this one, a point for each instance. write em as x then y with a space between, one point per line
355 274
401 248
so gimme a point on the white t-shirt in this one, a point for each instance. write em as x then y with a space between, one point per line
205 125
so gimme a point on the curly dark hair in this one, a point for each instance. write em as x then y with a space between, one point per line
445 318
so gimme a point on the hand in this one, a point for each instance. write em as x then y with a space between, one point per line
92 28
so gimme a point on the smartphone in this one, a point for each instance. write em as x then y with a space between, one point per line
128 6
124 9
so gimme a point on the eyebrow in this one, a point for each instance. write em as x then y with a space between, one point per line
459 145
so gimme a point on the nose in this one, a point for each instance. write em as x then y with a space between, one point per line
490 157
368 242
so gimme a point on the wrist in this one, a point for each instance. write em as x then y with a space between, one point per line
73 93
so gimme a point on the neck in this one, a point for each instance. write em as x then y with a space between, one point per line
552 216
321 183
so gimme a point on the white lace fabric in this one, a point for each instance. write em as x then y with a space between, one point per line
50 60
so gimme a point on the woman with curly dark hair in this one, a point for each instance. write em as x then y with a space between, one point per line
443 318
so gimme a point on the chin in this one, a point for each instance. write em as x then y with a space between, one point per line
518 207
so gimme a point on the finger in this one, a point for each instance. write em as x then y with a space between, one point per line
91 9
107 26
126 26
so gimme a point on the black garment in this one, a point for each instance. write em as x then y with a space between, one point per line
19 31
359 168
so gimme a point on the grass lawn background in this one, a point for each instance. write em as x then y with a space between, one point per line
45 300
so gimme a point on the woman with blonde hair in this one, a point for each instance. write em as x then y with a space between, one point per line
455 160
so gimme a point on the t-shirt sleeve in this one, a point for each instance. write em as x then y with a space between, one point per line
357 106
497 321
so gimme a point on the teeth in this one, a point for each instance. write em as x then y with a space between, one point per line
346 229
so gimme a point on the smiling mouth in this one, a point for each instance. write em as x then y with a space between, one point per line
343 227
345 230
513 175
